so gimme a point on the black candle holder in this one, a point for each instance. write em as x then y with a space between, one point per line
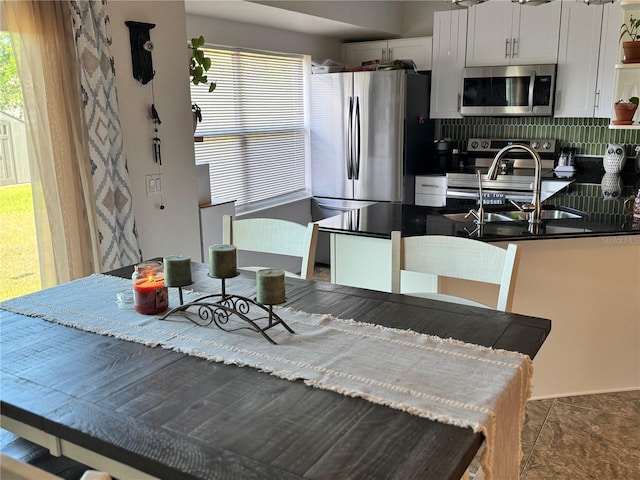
219 312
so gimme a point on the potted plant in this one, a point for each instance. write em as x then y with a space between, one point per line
199 65
631 48
625 110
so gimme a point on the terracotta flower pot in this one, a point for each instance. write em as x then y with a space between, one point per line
624 113
631 52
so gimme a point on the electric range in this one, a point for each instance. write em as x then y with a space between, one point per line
516 174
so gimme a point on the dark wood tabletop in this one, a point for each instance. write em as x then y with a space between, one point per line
179 417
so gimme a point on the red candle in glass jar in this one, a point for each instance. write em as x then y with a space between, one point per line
150 296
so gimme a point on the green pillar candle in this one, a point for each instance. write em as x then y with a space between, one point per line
270 286
177 270
222 261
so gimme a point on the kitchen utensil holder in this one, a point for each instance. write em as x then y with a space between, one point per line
219 312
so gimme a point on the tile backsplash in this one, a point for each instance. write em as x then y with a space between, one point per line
589 136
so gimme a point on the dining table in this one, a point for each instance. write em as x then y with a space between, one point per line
146 411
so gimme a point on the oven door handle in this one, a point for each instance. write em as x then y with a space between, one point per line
531 85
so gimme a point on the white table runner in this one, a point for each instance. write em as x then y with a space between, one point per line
441 379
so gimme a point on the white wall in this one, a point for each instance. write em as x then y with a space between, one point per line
384 16
235 34
417 18
392 19
174 230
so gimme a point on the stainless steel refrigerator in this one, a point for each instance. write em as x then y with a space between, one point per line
370 135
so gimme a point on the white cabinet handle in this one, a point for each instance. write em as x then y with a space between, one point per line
514 51
506 47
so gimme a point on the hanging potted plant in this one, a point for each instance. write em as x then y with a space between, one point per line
625 110
199 65
631 48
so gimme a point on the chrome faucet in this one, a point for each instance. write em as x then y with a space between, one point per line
534 207
479 213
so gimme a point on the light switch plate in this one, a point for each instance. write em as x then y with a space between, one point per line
154 184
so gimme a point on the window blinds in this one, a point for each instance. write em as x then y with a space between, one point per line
253 125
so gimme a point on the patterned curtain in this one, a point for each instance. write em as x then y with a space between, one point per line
113 199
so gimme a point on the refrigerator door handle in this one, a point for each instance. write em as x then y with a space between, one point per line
356 165
349 156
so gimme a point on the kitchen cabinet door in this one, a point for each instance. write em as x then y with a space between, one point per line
417 49
611 15
503 33
449 47
359 261
489 34
578 59
536 31
354 54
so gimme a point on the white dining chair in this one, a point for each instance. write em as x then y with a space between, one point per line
14 469
275 236
454 257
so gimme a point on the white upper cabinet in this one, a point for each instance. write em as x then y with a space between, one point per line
578 59
586 59
449 47
505 33
417 49
357 53
609 48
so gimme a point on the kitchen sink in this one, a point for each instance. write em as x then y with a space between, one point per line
488 217
553 213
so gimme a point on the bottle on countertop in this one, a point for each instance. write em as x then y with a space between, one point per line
455 160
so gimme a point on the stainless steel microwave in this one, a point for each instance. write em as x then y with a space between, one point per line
516 90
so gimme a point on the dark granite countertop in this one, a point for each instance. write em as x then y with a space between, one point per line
378 220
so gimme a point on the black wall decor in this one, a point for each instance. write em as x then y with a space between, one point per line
141 47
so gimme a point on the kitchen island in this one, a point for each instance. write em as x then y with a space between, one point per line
582 274
361 247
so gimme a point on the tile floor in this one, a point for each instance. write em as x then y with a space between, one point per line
583 437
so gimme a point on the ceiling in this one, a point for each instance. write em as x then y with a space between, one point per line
278 17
